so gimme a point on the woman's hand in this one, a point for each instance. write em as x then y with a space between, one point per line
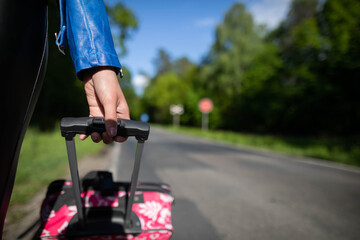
105 99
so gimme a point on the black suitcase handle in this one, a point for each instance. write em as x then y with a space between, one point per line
86 125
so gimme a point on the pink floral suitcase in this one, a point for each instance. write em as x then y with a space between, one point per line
108 209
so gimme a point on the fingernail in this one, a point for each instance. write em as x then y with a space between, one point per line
119 139
94 138
112 131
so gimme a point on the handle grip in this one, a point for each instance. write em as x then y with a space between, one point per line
86 125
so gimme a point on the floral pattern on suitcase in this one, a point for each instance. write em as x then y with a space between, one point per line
154 214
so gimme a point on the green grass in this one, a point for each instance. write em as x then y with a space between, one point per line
43 158
343 150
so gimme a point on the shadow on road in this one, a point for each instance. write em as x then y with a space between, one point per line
189 223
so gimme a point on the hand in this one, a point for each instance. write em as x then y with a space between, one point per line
105 99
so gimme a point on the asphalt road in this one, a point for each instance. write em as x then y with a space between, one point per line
225 192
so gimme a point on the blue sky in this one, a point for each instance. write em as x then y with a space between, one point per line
184 28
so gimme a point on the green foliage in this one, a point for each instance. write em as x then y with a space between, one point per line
125 22
300 79
162 62
341 68
168 89
261 101
43 159
132 99
306 35
176 82
342 150
181 66
192 115
313 92
237 42
341 22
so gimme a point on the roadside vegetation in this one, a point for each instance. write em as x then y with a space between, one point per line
345 151
43 158
300 78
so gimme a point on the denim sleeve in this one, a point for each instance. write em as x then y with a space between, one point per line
85 29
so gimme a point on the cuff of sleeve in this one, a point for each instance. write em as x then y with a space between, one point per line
96 59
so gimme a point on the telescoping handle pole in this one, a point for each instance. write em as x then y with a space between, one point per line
133 183
70 146
86 125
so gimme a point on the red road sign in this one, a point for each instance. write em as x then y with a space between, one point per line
205 105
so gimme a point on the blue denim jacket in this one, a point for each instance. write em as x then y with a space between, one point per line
84 26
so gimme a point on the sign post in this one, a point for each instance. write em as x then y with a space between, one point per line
176 111
205 106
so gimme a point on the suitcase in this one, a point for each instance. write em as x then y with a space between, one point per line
108 210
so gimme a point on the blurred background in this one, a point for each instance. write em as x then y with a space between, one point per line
280 68
283 75
269 66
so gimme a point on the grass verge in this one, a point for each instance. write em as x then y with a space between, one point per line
43 158
343 150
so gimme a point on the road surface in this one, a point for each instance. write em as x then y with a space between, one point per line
225 192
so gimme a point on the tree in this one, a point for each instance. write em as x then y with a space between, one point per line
132 99
340 24
261 101
124 21
168 89
163 62
314 91
237 43
300 79
182 65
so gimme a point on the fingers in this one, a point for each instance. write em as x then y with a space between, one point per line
110 117
106 138
107 91
96 137
105 98
120 139
83 137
